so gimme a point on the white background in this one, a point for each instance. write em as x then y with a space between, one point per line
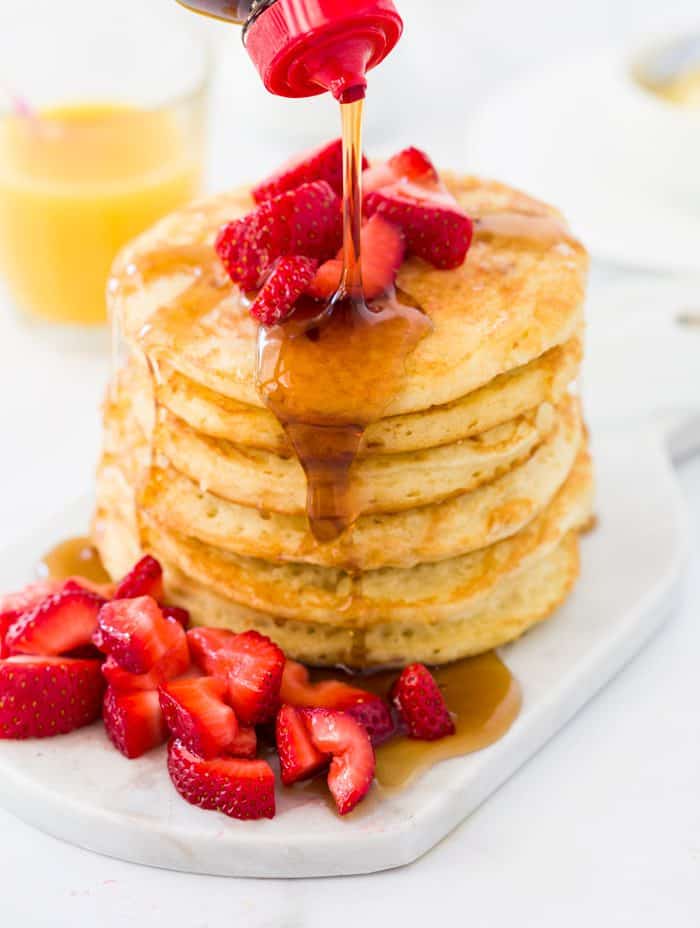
603 826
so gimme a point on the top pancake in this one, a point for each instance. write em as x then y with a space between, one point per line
518 294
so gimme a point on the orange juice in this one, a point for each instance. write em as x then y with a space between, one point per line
76 183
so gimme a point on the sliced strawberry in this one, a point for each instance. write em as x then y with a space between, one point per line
352 766
134 721
305 221
43 696
421 705
172 665
195 712
413 164
176 614
288 279
251 664
324 163
137 635
435 226
64 621
367 708
382 251
144 579
12 605
206 645
376 177
299 759
245 744
242 789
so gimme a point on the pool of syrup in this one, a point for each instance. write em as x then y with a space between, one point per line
74 557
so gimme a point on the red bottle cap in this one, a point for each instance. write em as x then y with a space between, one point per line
304 47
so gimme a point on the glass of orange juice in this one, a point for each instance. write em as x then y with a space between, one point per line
102 110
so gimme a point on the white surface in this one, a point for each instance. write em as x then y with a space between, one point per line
80 789
603 826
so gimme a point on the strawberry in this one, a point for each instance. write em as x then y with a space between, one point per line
413 164
245 744
64 621
250 663
324 163
305 221
382 248
352 766
421 705
299 759
13 605
195 712
137 635
367 708
43 696
144 579
170 666
176 614
435 226
134 721
242 789
205 646
288 279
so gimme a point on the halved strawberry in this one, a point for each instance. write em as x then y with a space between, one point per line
324 163
421 705
64 621
134 721
13 605
367 708
144 579
299 759
242 789
137 635
436 228
195 712
245 744
413 164
206 645
352 766
382 251
305 221
176 614
250 663
44 696
288 279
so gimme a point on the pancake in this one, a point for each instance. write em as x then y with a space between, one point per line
455 526
519 294
544 380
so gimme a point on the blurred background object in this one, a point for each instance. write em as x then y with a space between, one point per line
101 133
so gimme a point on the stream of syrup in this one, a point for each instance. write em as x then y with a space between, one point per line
328 372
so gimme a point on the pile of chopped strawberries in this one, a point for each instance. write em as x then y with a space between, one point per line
290 245
72 651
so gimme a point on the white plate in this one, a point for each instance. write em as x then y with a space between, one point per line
79 789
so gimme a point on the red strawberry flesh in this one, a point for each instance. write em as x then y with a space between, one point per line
324 163
176 614
421 705
144 579
305 221
137 635
63 622
241 789
44 696
413 164
352 766
288 279
134 721
299 759
196 714
245 744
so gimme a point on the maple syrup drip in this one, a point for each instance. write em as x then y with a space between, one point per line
75 557
483 697
328 372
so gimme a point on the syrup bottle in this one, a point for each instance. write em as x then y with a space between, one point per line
306 47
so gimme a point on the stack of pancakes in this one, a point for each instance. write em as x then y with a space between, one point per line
473 487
